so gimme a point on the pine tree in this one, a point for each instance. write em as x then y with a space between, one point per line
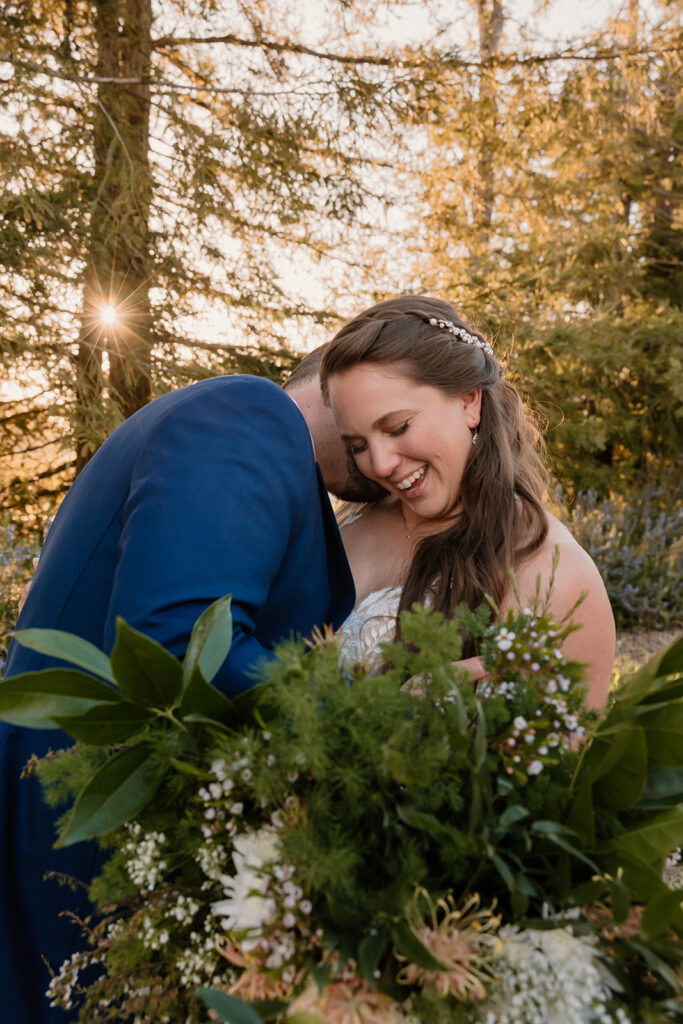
575 254
167 173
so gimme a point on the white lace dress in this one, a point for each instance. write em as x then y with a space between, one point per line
373 619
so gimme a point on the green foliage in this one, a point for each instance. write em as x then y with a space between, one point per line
190 171
150 695
559 230
636 541
628 806
378 786
16 565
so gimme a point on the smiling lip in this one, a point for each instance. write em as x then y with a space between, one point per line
412 484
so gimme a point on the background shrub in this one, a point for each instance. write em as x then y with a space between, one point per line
16 567
636 541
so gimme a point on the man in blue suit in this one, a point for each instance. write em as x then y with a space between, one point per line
209 490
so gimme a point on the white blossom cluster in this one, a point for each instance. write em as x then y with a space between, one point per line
61 987
263 906
212 859
184 909
145 864
549 977
673 870
151 935
198 962
524 734
249 905
220 813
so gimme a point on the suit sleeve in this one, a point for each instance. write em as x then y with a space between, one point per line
216 494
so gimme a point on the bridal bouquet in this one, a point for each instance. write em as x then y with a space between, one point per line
347 848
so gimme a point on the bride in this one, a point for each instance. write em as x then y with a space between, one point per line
424 410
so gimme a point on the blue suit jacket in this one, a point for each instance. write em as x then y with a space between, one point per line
209 490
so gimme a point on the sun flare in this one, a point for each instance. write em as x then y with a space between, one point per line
109 315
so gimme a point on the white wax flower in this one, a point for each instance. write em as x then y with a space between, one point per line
247 906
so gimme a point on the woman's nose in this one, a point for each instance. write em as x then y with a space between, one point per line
384 459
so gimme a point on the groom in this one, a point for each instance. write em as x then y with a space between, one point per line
209 490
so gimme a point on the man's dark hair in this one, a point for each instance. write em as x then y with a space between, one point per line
307 369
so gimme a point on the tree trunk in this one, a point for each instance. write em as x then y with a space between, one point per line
130 347
491 18
119 260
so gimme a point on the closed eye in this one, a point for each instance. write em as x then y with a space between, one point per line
356 448
399 430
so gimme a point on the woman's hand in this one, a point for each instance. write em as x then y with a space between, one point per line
472 665
417 685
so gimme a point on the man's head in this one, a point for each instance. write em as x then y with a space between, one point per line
336 465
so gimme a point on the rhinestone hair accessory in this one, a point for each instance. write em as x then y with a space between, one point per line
462 334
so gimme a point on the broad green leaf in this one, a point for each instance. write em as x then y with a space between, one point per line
370 951
408 945
664 788
189 769
202 698
321 972
556 833
145 671
114 795
476 804
551 828
304 1018
581 818
672 659
210 641
666 662
105 723
620 774
213 726
479 745
620 900
68 647
511 815
642 879
524 884
660 967
269 1009
663 910
588 892
664 690
503 870
235 1011
423 822
664 731
654 840
33 699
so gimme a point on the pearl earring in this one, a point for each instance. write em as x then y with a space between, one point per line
475 435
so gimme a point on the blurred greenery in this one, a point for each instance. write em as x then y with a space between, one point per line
538 189
17 552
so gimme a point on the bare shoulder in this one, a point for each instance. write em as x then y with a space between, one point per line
576 579
575 573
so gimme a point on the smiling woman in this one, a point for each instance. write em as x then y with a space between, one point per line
423 406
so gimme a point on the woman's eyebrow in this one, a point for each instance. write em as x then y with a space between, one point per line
379 422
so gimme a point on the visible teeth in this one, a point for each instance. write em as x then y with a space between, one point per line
410 480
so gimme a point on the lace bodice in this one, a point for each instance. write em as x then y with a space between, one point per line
373 619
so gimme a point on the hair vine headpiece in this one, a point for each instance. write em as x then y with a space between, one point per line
460 332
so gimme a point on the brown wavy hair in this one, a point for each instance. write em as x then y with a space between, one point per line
501 517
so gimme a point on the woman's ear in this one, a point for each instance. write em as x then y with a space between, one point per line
471 406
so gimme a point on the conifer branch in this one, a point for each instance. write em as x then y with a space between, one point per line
444 61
